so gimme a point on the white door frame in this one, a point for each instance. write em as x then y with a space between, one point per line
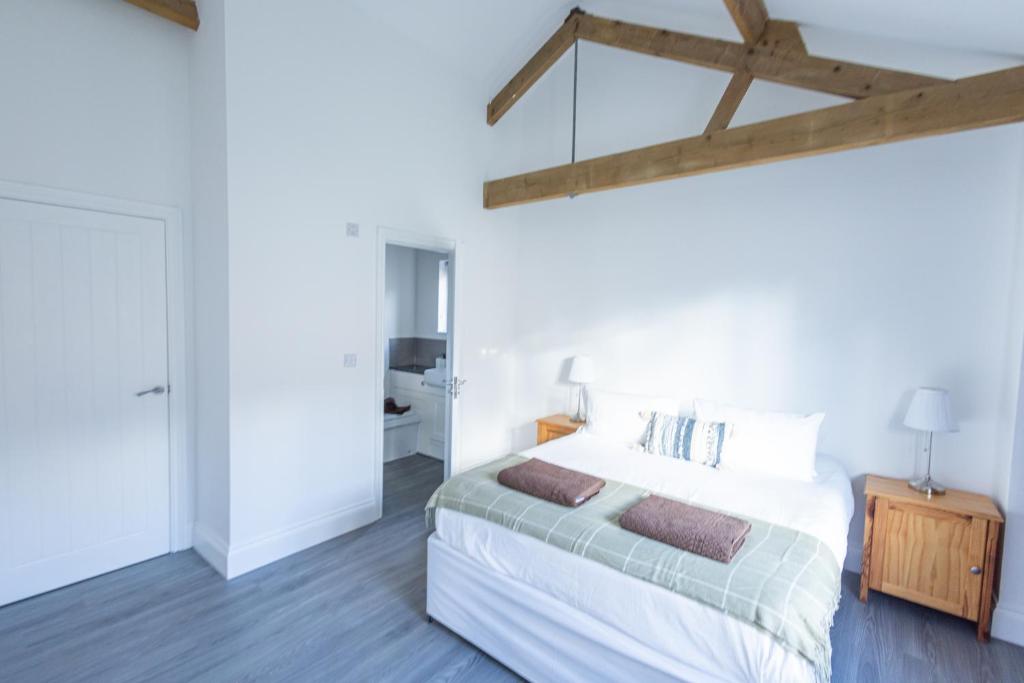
430 242
181 474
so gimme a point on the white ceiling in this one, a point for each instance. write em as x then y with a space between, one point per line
489 40
982 25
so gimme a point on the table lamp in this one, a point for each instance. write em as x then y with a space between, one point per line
930 412
581 372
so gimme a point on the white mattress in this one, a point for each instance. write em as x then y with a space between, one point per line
714 646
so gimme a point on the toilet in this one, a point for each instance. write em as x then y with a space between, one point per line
401 433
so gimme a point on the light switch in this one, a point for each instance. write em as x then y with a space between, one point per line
350 360
352 229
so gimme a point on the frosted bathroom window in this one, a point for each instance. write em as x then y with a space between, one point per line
442 296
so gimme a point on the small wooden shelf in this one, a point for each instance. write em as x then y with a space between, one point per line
555 427
939 551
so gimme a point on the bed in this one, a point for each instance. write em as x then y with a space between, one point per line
550 615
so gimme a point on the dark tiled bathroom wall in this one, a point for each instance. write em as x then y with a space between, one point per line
414 354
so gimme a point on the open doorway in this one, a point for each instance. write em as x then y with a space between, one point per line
418 384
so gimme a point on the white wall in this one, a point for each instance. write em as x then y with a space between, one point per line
836 283
210 217
1008 620
96 100
79 115
313 125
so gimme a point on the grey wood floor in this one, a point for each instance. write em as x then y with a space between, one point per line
351 609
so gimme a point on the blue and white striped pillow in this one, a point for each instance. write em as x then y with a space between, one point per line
685 438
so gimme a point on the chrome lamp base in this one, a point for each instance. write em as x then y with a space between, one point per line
927 485
578 417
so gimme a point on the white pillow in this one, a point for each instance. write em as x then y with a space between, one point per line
771 444
622 417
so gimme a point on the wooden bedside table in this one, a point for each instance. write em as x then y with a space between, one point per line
555 427
941 552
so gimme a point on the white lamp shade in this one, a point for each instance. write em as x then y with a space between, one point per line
581 371
930 411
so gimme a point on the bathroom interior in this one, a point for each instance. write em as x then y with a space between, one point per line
415 325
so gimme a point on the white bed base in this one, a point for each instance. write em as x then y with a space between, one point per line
532 633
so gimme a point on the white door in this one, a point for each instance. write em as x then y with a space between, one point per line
452 405
84 461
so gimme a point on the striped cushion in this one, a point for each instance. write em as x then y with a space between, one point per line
685 438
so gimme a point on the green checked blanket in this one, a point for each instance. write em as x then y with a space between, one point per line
782 581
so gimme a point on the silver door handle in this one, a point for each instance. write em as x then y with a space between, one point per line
154 390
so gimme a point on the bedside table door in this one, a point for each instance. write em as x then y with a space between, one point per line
927 556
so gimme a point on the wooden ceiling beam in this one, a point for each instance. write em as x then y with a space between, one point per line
681 47
986 100
730 101
538 65
787 66
779 55
750 17
182 12
781 37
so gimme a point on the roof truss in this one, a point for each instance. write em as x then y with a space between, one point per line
893 105
545 58
750 17
987 100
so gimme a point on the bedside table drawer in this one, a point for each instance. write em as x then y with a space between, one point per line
927 556
555 427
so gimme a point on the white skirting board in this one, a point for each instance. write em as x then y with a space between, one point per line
211 548
234 561
262 551
1008 625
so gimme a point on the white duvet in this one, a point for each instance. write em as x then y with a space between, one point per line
712 645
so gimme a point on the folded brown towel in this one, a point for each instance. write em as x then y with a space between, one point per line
392 408
696 530
551 482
